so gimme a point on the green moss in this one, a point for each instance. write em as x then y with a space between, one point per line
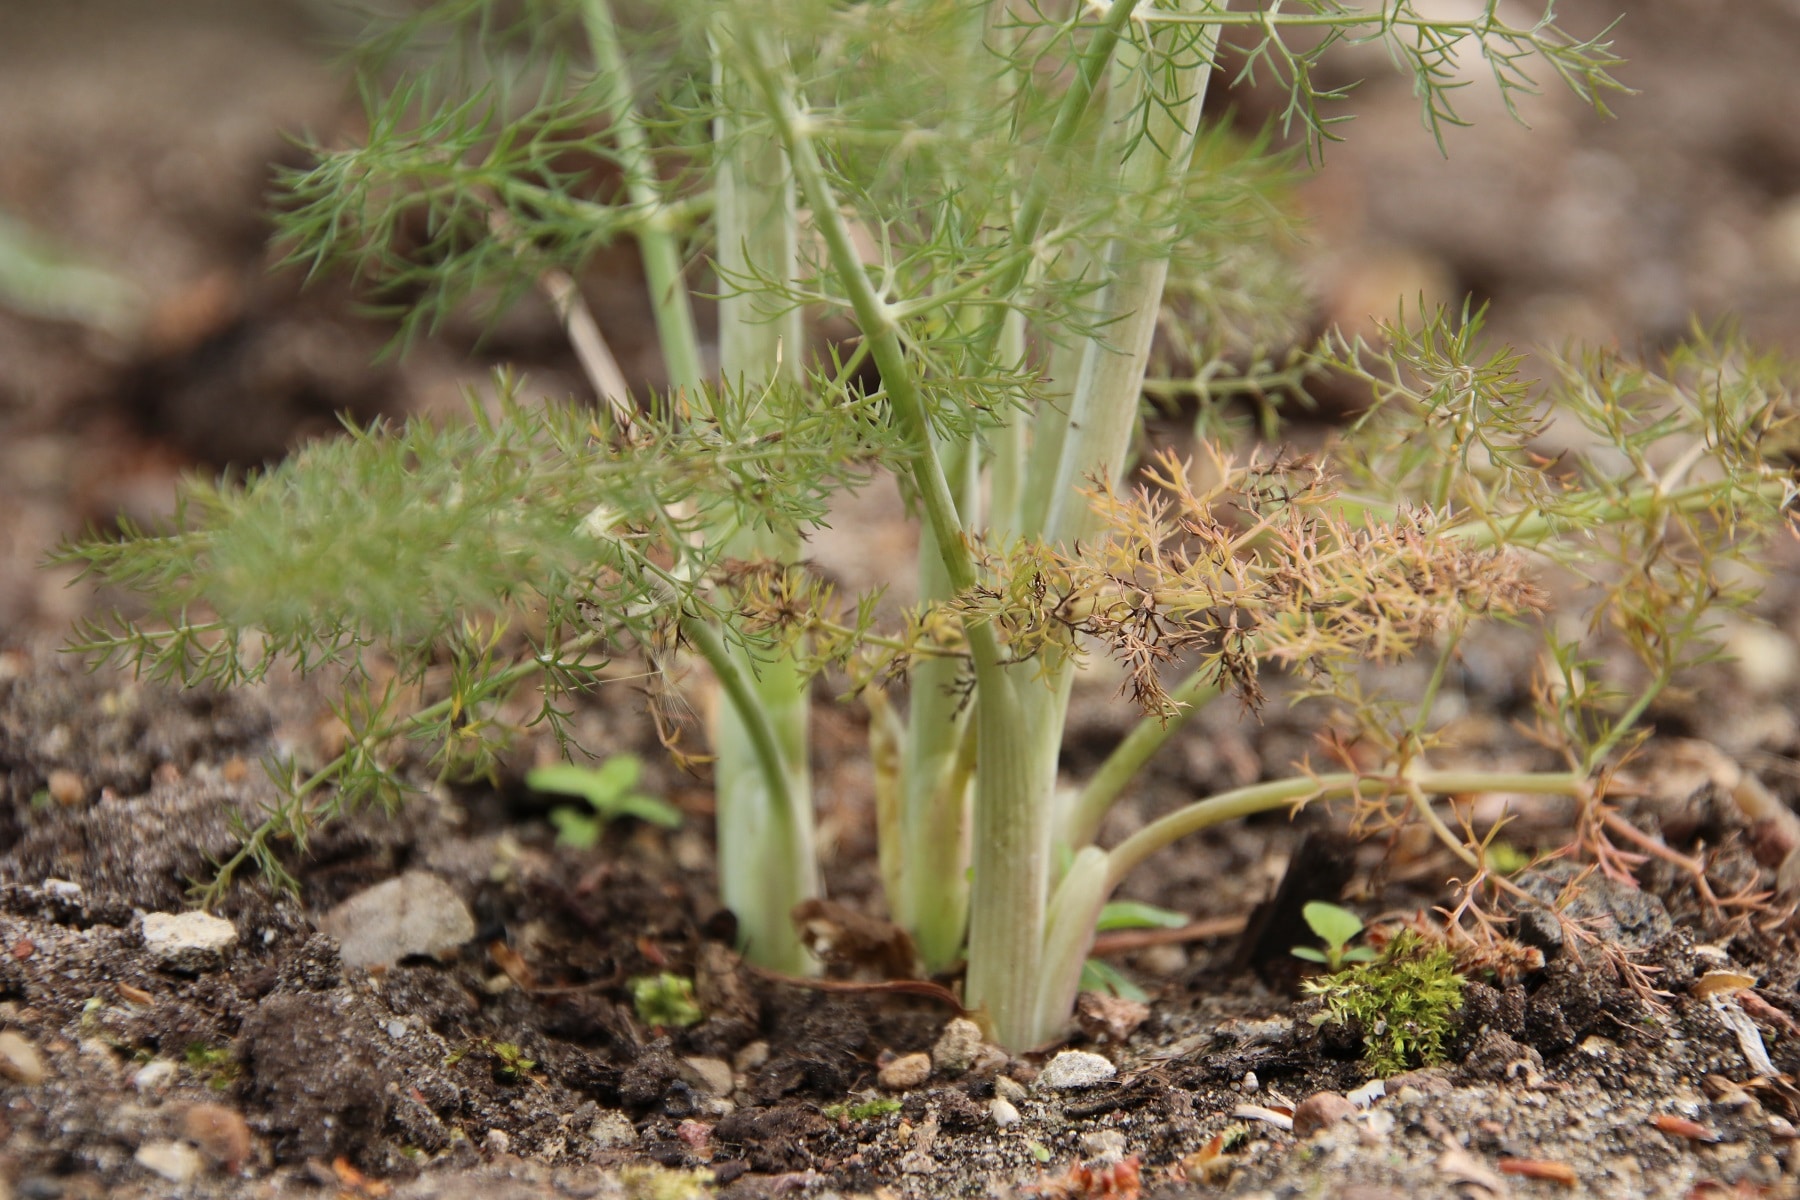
867 1110
1405 1002
216 1064
665 1000
661 1183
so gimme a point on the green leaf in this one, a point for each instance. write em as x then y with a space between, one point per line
1335 926
607 788
1308 953
1133 914
1098 976
575 829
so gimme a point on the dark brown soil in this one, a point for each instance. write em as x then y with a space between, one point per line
144 138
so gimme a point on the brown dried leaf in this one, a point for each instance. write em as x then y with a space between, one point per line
1539 1168
1681 1127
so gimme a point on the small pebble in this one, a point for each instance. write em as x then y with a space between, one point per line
496 1142
177 1162
749 1058
154 1075
1319 1110
712 1074
1163 961
957 1047
1008 1088
220 1133
905 1073
694 1135
20 1060
1075 1069
66 787
415 913
612 1130
918 1162
1108 1144
1003 1112
189 941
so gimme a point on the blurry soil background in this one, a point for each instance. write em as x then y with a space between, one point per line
327 1047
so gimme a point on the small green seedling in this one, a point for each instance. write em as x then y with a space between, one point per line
1337 927
610 789
510 1063
665 999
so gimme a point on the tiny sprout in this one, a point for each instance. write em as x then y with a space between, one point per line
665 999
610 789
510 1063
1337 927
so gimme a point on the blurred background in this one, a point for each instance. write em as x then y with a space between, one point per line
144 333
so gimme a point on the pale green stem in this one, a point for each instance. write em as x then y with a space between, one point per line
1015 777
758 238
875 317
1533 526
765 809
1011 447
757 225
1267 797
1108 389
1071 113
1015 815
1049 429
1068 935
1120 767
669 300
932 902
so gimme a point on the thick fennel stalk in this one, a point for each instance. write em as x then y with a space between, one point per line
1017 978
767 860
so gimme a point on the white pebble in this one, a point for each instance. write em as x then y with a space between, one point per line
1075 1069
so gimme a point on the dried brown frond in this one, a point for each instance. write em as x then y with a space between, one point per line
1266 563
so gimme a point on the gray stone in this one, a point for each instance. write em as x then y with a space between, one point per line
957 1047
712 1075
189 942
154 1075
1075 1069
1615 911
1004 1112
1108 1144
415 913
612 1130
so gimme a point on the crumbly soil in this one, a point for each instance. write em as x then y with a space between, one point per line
145 141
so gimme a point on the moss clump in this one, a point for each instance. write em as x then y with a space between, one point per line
1405 1002
661 1183
866 1110
665 1000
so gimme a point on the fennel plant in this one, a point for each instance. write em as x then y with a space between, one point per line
1005 200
